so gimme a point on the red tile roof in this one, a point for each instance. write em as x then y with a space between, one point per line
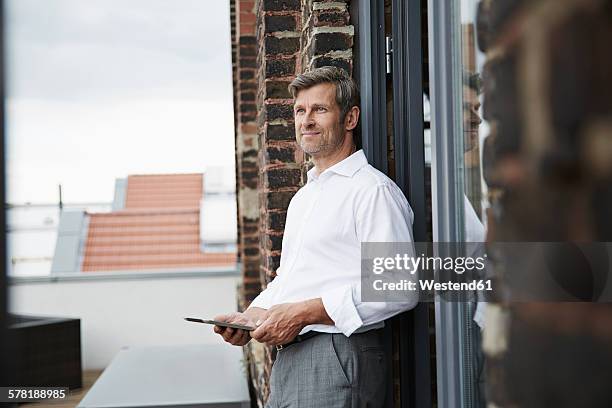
159 228
164 191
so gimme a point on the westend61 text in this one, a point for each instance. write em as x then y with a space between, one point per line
431 284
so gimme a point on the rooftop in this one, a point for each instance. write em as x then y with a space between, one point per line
159 228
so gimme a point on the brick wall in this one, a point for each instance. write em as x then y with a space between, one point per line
280 162
277 40
245 112
244 53
547 160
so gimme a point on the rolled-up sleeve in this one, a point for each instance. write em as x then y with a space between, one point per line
382 215
341 307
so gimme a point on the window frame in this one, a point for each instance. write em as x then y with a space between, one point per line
454 356
413 326
409 150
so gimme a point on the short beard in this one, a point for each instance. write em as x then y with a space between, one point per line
322 146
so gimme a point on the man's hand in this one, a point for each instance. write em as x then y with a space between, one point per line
237 337
280 324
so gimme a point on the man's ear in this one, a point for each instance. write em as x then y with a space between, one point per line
352 118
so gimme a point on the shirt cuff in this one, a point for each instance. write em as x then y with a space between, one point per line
339 305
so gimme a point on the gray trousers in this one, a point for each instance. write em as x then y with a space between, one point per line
329 371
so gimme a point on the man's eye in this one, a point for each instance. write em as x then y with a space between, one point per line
321 109
299 111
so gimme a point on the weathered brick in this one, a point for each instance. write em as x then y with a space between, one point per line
248 85
274 45
251 268
279 111
247 63
247 165
280 132
285 154
247 96
249 179
247 16
249 225
279 23
247 117
272 263
251 241
247 51
280 67
247 6
251 286
281 5
248 130
247 74
336 62
247 27
251 251
278 178
273 242
330 18
277 89
326 42
246 40
268 274
279 199
247 107
250 153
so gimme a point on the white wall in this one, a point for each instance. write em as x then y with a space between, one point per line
119 313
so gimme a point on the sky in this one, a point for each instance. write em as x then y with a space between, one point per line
100 89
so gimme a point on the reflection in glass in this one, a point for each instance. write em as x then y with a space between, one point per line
475 201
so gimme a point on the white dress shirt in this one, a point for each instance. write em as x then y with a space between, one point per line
475 233
349 203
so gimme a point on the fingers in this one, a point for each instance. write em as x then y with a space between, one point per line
228 333
257 333
220 318
262 333
224 317
239 338
235 336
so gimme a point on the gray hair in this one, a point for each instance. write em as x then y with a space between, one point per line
347 92
473 80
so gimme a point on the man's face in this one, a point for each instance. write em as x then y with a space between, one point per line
317 120
471 118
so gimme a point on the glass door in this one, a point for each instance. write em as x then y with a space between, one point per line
458 191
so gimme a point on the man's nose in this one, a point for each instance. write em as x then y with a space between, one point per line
476 119
309 119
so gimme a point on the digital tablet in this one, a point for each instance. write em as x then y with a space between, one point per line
221 324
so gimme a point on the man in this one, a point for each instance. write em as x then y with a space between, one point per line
471 125
471 104
329 341
474 230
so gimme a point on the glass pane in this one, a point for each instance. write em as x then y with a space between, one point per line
474 130
100 92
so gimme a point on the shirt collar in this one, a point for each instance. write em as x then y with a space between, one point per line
347 167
